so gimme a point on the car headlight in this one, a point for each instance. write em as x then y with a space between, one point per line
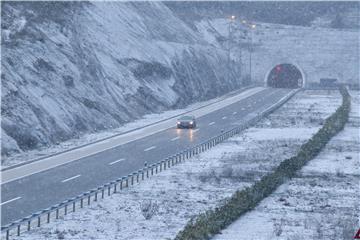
178 122
191 122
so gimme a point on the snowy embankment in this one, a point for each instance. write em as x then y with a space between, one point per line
73 68
322 202
90 138
161 206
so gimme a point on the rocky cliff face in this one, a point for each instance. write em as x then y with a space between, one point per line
74 68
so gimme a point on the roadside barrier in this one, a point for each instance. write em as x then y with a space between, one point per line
71 205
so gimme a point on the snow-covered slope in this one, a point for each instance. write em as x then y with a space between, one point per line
74 68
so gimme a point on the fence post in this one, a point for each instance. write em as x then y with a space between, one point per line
127 182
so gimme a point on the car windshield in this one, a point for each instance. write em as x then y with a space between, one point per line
188 118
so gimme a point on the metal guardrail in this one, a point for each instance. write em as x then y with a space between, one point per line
70 205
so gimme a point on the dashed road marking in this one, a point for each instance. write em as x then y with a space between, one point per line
195 130
175 138
150 148
224 117
9 201
119 160
212 123
71 178
234 113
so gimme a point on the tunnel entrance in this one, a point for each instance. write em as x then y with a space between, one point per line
285 76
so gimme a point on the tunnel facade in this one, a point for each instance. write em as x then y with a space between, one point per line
285 75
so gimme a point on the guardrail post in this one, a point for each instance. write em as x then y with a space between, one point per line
96 196
168 162
29 225
89 197
65 209
127 182
160 167
109 188
132 179
102 193
48 217
18 230
142 174
39 217
81 203
74 206
137 177
57 213
7 234
152 169
147 172
164 162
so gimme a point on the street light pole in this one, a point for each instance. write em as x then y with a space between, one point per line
232 18
252 27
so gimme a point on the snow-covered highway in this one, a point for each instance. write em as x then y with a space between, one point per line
36 189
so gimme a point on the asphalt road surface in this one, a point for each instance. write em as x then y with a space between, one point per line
33 190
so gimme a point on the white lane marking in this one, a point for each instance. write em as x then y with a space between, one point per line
242 108
195 130
9 201
212 123
69 179
120 160
150 148
175 138
224 117
234 113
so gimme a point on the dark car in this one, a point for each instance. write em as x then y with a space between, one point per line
186 122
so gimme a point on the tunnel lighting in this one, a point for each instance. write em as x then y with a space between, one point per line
253 26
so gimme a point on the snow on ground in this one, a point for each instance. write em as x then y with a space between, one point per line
322 202
159 207
94 137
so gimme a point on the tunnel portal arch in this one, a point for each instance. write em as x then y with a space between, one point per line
285 75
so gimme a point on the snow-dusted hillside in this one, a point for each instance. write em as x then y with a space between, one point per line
74 68
70 69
